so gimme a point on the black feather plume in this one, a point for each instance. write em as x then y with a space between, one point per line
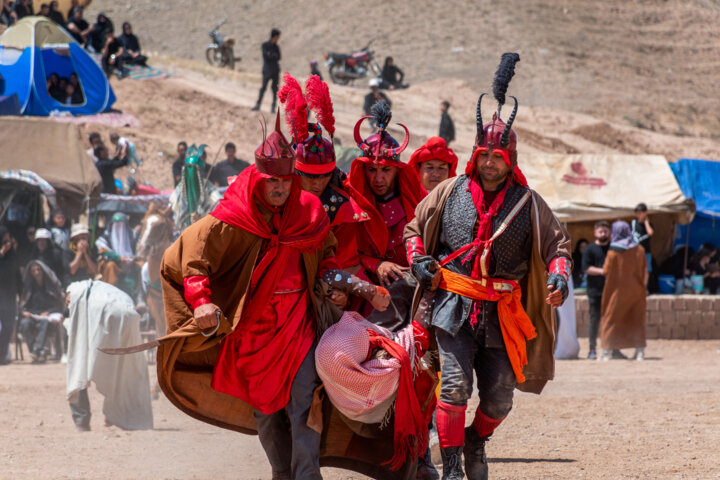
504 74
382 114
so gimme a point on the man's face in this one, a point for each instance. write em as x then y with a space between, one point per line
602 234
127 30
181 151
315 185
491 166
381 178
277 190
44 10
103 153
230 152
641 216
59 219
443 107
433 172
275 39
37 273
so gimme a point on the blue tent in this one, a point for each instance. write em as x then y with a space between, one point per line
700 180
34 48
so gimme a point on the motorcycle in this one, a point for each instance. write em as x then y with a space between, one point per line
344 68
220 53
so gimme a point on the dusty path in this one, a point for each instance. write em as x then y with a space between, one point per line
659 419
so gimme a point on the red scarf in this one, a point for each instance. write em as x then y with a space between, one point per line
411 192
301 224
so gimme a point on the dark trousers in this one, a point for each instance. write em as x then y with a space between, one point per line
460 356
108 68
7 324
594 304
289 443
35 333
274 78
80 408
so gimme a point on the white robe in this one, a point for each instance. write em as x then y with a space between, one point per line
102 316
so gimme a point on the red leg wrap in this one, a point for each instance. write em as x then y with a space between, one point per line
485 425
450 424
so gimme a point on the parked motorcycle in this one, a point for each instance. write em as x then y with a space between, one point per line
220 53
344 68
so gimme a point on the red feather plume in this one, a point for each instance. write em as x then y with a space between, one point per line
318 97
296 113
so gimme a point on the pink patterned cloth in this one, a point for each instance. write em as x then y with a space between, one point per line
362 389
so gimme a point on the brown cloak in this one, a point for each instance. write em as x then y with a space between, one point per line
550 239
623 299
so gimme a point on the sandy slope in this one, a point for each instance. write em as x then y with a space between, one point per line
658 419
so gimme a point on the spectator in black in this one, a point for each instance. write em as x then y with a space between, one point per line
77 95
6 14
593 259
78 27
73 5
97 36
314 69
112 55
374 96
447 126
83 265
577 273
131 47
22 8
179 162
642 231
9 289
62 89
47 252
229 167
107 166
271 68
44 10
42 296
26 244
392 76
55 14
53 86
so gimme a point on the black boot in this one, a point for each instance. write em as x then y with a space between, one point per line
284 475
256 107
475 460
425 469
452 463
272 109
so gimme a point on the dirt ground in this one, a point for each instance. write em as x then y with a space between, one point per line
659 419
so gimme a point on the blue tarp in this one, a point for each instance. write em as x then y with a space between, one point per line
700 180
26 77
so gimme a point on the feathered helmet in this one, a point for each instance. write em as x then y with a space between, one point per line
498 135
275 156
380 145
315 154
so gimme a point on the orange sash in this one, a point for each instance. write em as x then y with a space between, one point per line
515 325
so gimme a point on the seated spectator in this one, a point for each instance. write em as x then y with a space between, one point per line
131 47
53 86
75 82
42 297
78 27
59 226
83 265
374 96
62 90
229 167
55 15
6 17
392 76
179 162
95 141
74 97
124 148
97 37
107 166
22 8
112 55
44 10
47 252
73 5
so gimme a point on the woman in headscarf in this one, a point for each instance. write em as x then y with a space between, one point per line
131 47
43 299
623 300
577 274
96 37
117 253
9 288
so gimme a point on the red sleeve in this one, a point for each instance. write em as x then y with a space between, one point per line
561 265
197 291
370 263
329 263
414 246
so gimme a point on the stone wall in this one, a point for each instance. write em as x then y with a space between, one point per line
683 317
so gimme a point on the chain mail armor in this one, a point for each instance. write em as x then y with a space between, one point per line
510 258
331 198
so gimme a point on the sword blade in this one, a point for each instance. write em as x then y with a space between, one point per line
134 349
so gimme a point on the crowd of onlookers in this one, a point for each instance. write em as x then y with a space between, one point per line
65 90
116 51
219 173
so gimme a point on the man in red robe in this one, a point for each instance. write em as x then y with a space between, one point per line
388 190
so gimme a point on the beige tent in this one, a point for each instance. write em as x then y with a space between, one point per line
53 150
582 189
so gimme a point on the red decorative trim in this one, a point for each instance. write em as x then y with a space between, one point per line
562 266
414 246
315 168
197 290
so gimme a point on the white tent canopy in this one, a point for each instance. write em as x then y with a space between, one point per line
581 188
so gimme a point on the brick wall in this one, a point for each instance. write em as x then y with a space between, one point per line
683 317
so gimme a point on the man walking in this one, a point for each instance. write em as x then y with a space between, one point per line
593 259
447 126
271 68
